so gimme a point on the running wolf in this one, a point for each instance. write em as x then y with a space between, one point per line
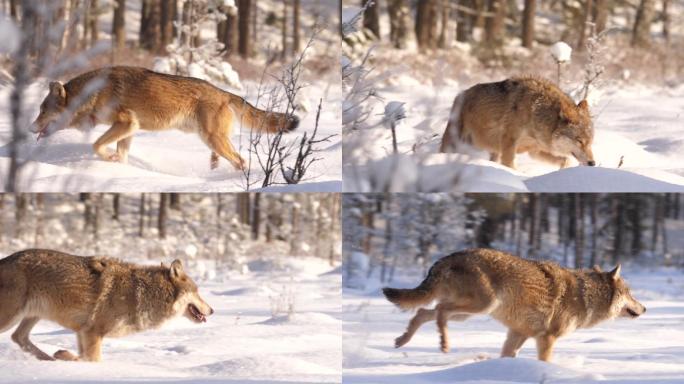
95 297
521 114
534 299
131 99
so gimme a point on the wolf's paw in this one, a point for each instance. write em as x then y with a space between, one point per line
65 355
400 341
444 348
114 157
240 165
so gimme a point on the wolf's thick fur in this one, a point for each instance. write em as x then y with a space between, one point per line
95 297
539 300
521 114
131 98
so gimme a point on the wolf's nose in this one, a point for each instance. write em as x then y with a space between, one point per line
644 310
591 163
211 311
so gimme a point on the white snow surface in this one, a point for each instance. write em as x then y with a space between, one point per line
242 342
166 161
649 349
638 126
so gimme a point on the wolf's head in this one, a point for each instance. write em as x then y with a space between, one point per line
188 301
574 133
51 117
623 304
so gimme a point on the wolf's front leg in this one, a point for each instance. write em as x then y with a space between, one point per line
125 124
122 148
545 347
509 147
514 342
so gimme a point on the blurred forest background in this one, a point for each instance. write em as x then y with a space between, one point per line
229 229
641 37
386 232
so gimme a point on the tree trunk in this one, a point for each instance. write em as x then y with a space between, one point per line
594 229
245 43
161 220
283 53
635 221
600 14
93 21
296 38
641 34
371 18
166 25
465 21
618 225
119 25
528 23
666 20
141 221
495 26
426 22
582 41
579 231
399 14
150 25
243 207
446 16
116 206
256 216
657 219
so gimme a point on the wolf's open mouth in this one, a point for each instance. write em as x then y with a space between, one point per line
632 313
196 314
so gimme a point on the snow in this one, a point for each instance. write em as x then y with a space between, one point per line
11 36
561 52
637 146
242 342
163 161
647 349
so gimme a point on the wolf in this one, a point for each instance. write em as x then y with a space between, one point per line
521 114
534 299
130 99
95 297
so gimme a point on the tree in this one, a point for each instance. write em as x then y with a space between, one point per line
641 34
245 43
465 20
119 25
528 23
426 17
149 24
296 38
371 18
161 219
495 25
582 41
399 15
600 15
283 53
666 20
167 15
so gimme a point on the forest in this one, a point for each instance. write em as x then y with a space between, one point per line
229 229
386 232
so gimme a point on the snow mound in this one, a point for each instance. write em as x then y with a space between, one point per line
508 370
301 319
598 179
247 366
561 51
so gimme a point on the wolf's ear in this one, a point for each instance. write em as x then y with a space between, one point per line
615 273
57 89
583 105
176 269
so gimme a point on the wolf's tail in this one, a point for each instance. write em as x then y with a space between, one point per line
260 120
454 130
412 298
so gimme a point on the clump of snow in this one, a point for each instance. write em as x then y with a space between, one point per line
394 113
561 52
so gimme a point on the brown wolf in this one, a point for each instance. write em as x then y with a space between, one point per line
95 297
132 98
522 114
539 300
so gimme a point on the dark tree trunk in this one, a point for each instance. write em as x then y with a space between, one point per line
116 206
166 24
119 25
426 21
399 14
528 23
296 38
618 225
161 220
600 14
283 53
141 222
579 231
495 26
641 34
582 41
256 216
371 18
245 42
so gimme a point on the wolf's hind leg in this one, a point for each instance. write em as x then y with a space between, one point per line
422 316
514 342
21 337
223 147
125 124
215 126
442 318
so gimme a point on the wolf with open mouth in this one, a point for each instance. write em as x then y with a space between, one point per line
95 297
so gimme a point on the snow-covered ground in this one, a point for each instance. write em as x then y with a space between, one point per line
640 125
164 161
242 342
648 349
